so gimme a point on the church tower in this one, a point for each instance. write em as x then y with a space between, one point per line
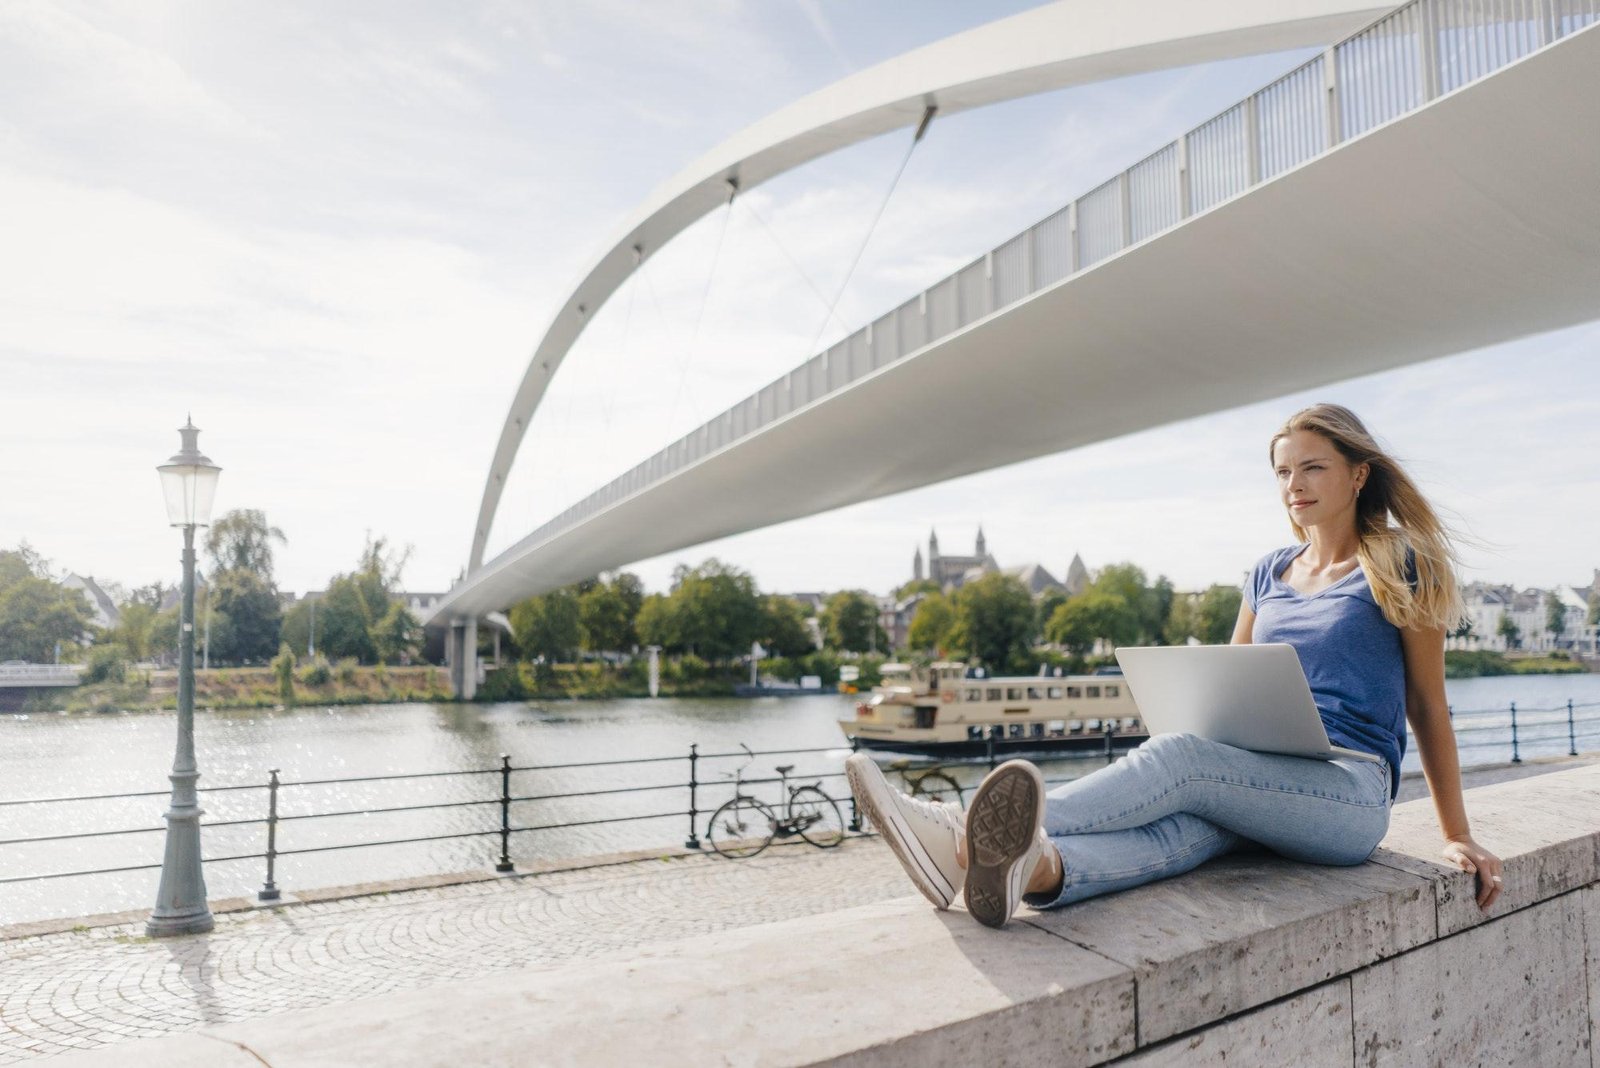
980 552
916 566
935 569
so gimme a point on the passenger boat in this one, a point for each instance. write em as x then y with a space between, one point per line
948 709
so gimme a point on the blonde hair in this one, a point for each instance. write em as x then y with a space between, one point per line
1392 517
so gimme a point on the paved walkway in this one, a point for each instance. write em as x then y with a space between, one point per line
94 987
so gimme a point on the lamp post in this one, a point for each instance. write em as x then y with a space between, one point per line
189 481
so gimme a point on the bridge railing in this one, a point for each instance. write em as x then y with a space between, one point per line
1391 68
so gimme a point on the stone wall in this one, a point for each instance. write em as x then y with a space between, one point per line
1249 960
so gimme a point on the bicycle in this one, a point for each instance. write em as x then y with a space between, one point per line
933 783
743 826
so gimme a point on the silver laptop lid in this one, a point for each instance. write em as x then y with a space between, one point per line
1249 696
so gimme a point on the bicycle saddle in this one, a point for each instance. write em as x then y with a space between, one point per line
784 769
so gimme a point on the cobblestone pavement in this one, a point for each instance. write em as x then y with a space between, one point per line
88 988
93 987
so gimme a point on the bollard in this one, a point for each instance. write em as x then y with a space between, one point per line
269 889
693 841
1516 756
1572 739
505 815
855 812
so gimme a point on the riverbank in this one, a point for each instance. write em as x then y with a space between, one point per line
1464 664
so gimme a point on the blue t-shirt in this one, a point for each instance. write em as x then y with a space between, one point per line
1351 655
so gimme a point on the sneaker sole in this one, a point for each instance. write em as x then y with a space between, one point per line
1002 823
924 873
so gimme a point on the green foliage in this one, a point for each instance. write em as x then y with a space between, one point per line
241 540
1148 605
1209 617
136 619
397 635
106 663
715 610
994 620
164 634
1093 614
850 622
283 670
546 626
604 620
917 586
252 621
317 673
20 563
345 671
37 613
1509 631
1555 615
933 624
783 626
344 620
504 683
1121 608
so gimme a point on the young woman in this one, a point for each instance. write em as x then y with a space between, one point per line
1365 596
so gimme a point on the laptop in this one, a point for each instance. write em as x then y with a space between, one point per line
1249 696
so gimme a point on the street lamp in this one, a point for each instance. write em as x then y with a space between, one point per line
189 480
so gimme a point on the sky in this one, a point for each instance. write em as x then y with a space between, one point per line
334 232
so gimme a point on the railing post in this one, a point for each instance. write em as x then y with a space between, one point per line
1074 256
505 864
1109 757
693 841
1330 85
1252 141
1185 189
269 889
855 812
1516 755
1125 194
1428 52
1572 739
988 742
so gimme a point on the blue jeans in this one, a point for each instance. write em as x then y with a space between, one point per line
1178 800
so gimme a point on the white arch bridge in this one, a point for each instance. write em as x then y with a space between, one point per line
1423 186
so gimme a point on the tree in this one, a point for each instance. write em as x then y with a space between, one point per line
656 623
933 623
134 622
604 622
254 617
1509 631
1148 604
37 615
241 540
1555 616
20 563
547 626
283 668
994 620
1208 617
916 586
850 622
396 636
1093 614
345 621
783 627
716 610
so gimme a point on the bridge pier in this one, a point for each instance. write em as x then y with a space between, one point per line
461 653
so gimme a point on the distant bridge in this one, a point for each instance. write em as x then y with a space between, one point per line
18 680
1417 189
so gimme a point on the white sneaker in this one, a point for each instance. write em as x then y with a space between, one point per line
1005 840
922 834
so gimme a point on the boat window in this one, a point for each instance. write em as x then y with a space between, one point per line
1038 730
1092 691
925 716
1013 693
997 731
1058 727
974 733
1076 726
1017 730
994 693
1112 691
974 694
1054 692
1074 691
1035 694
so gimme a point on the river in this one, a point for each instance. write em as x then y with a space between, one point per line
45 756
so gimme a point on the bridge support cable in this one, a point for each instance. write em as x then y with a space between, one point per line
705 297
888 194
795 263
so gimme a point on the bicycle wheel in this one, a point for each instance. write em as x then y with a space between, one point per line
817 817
741 828
937 786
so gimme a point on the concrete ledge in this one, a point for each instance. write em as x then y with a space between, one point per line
1248 960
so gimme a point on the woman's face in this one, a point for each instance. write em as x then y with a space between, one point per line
1317 485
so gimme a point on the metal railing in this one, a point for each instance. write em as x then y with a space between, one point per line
1406 59
1505 731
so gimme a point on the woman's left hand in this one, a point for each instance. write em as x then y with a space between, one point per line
1471 857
